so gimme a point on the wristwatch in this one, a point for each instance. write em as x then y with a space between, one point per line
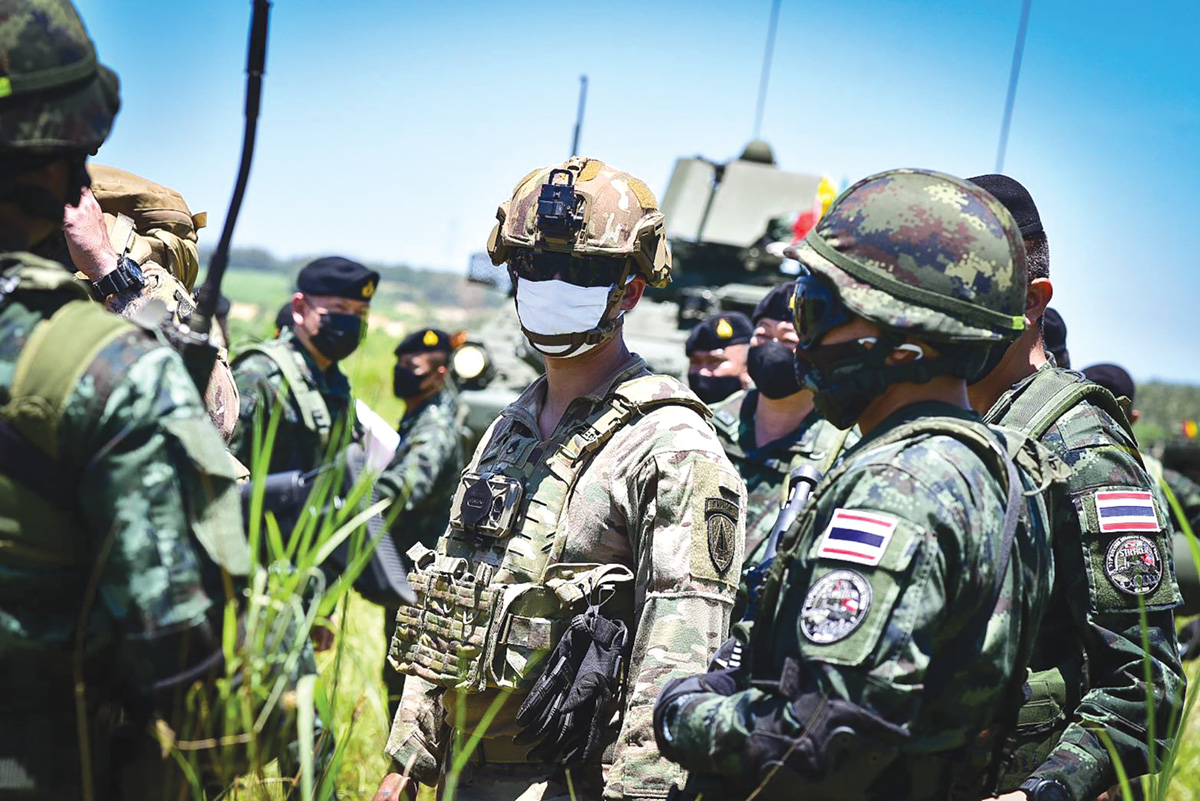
128 275
1045 790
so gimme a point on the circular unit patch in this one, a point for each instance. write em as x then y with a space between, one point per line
835 606
1133 565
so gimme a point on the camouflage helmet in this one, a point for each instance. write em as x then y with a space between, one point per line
55 96
924 253
585 208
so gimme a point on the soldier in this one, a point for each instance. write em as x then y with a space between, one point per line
118 511
1186 492
1054 335
769 430
1088 665
716 351
893 623
283 319
597 515
300 369
423 473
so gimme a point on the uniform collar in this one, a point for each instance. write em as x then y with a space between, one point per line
527 407
441 398
914 411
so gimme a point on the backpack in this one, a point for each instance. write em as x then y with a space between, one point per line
149 222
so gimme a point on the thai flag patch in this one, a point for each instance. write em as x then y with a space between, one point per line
1126 510
854 535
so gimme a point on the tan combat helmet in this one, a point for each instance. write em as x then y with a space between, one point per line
584 209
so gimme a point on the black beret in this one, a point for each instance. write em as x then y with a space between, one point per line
424 340
339 278
284 318
719 331
1054 335
777 304
1112 377
1015 198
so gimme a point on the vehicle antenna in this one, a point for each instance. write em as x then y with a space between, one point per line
1013 75
579 114
765 77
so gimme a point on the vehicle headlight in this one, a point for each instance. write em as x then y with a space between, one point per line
470 364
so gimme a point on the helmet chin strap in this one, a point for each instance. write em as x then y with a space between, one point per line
581 342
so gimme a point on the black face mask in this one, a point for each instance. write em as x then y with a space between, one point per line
772 367
994 357
338 335
844 378
406 383
714 388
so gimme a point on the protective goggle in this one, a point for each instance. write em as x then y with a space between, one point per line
816 309
586 271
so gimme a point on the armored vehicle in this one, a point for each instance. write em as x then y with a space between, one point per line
720 220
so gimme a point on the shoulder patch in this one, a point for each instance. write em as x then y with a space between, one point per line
835 606
855 535
1125 510
720 518
1134 565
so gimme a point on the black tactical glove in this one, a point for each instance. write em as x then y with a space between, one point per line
567 710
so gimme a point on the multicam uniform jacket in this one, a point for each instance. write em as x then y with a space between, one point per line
146 510
312 411
1112 548
883 652
655 505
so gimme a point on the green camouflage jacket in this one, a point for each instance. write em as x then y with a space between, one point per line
424 470
643 501
147 511
261 384
1091 633
765 469
880 665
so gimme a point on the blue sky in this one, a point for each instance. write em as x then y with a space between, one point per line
391 130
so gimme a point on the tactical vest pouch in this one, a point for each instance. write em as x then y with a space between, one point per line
1040 724
443 637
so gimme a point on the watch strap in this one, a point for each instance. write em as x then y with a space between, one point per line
126 276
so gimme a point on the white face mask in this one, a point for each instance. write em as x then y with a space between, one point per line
556 307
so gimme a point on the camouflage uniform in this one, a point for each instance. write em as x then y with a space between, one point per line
643 502
629 503
311 413
424 474
151 510
1187 494
890 639
1088 664
765 469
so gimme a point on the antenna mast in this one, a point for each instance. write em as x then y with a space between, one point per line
765 76
579 114
1013 75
